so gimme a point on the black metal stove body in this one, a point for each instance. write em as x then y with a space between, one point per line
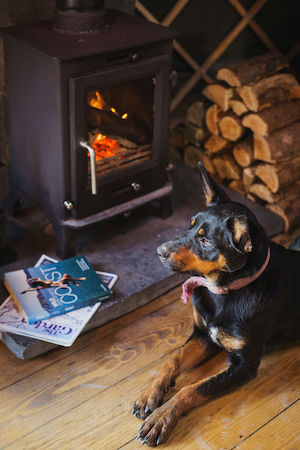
51 81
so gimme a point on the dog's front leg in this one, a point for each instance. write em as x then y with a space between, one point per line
193 352
157 427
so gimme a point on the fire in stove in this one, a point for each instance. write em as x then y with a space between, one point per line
120 137
103 145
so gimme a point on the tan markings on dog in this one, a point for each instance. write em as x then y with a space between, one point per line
193 222
201 232
193 262
191 354
248 246
230 342
239 228
199 321
188 397
208 194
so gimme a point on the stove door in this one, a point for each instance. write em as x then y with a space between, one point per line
119 134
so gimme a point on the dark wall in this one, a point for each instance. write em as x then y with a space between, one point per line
202 25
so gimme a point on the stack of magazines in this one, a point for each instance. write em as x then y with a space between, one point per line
54 300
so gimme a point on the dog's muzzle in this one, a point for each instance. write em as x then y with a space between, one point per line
164 252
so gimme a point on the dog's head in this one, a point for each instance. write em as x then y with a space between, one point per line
220 238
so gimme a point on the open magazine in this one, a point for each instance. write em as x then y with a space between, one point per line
62 329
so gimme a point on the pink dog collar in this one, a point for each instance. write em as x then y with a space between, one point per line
191 283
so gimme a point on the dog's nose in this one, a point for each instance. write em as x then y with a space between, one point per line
163 251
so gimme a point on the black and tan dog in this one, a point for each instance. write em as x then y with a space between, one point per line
246 301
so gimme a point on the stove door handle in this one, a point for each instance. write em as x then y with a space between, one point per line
89 148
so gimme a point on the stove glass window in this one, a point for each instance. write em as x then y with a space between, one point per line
120 124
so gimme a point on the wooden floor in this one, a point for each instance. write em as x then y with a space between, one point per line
80 398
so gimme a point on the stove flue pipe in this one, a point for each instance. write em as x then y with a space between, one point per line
79 5
75 17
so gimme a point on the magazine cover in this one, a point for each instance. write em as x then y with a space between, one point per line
61 330
46 291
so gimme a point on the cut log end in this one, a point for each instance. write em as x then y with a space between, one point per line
253 69
289 210
216 144
212 119
219 94
261 191
228 76
270 91
231 128
243 152
238 107
249 177
267 174
262 149
238 186
280 145
256 124
227 168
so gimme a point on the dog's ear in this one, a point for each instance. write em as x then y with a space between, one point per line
212 192
239 227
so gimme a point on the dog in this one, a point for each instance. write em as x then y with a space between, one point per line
246 301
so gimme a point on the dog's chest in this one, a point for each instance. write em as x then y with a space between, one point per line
211 318
214 334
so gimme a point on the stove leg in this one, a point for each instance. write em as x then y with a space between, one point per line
65 241
165 207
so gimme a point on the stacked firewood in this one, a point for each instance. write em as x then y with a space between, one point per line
254 125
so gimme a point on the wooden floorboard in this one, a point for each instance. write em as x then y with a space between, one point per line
80 397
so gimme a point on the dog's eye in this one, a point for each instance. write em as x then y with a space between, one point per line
192 223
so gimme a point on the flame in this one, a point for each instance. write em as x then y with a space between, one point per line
113 110
105 147
99 103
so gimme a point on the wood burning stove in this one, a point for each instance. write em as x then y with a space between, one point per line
88 116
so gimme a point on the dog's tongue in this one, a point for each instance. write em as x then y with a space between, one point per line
189 285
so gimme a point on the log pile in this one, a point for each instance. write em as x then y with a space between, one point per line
259 118
253 127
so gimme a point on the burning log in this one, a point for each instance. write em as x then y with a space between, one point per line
212 119
279 176
253 69
216 144
271 119
231 126
219 94
282 144
243 152
110 123
270 91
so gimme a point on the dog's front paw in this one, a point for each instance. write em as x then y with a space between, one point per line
148 401
157 427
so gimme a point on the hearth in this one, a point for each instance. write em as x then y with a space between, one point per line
88 106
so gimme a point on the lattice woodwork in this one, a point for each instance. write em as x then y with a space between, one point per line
247 19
